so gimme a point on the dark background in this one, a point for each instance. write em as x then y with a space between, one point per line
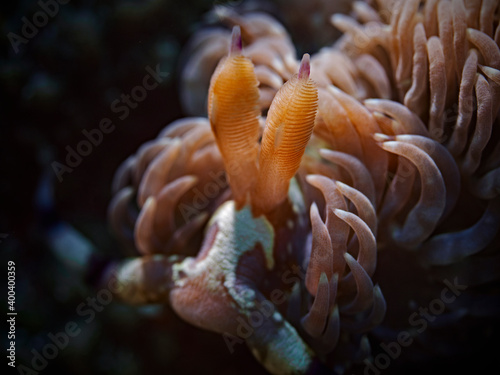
61 82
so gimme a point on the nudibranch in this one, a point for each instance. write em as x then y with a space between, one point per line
312 187
256 224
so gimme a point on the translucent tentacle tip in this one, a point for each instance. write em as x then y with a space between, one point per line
236 45
305 67
379 137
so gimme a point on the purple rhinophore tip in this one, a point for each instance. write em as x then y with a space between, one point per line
236 45
305 66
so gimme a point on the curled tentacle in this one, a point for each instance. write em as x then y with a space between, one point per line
321 260
486 186
146 154
157 172
422 219
459 136
400 188
337 229
445 163
367 255
120 216
410 123
486 46
145 238
449 248
491 73
371 69
366 126
341 132
364 285
166 201
483 129
373 319
417 94
437 79
331 335
314 322
358 171
268 77
405 23
365 209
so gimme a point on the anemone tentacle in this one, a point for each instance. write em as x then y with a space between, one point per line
374 160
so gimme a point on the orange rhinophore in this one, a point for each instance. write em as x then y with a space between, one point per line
289 126
233 111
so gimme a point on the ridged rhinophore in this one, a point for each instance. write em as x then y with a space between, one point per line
233 111
289 126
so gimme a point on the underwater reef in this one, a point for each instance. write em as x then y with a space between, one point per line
368 165
312 189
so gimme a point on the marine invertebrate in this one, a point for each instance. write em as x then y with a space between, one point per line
267 45
359 164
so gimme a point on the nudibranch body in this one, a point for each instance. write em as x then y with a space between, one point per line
309 182
226 281
258 233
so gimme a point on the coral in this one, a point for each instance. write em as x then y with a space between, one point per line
372 162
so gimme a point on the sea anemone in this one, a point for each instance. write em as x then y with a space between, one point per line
312 188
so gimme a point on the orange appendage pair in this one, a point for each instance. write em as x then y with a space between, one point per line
260 177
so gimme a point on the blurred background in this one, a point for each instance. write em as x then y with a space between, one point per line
62 65
56 81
